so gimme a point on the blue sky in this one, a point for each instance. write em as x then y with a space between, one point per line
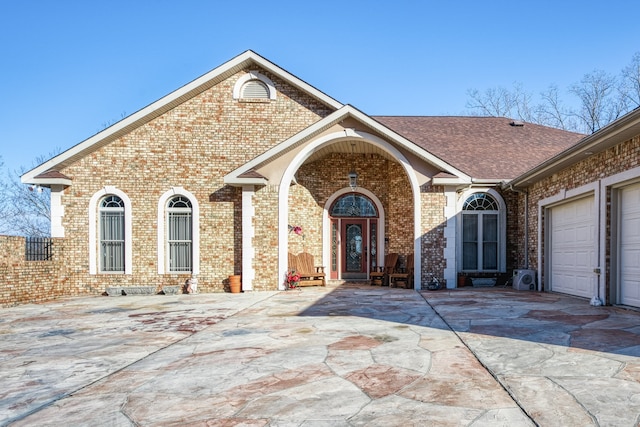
71 67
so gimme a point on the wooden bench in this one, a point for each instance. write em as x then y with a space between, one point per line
310 274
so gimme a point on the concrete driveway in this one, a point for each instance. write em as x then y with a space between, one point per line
336 356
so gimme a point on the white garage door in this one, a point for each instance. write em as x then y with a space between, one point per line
629 246
573 248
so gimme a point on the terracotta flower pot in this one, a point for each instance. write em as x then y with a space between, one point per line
235 284
462 281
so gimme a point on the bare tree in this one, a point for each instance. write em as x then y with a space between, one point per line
25 210
601 98
502 102
552 112
596 93
493 102
630 82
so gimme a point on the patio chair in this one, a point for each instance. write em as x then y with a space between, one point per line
379 276
403 276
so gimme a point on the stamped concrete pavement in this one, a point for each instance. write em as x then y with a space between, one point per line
336 356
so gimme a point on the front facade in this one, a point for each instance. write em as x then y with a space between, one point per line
248 163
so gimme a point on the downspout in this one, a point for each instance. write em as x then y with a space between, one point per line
598 269
526 224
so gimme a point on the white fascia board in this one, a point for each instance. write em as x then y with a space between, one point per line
151 111
488 181
245 181
450 181
46 182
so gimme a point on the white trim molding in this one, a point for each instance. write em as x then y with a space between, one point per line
449 252
195 215
248 232
93 228
57 210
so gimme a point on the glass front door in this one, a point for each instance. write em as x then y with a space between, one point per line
354 249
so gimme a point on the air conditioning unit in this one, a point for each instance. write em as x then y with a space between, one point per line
524 280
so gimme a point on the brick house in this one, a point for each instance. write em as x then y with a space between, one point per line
209 181
581 216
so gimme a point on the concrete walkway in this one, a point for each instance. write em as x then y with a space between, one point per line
341 356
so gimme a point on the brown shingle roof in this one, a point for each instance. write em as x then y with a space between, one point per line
52 174
483 147
251 174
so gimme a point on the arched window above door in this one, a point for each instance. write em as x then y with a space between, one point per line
354 205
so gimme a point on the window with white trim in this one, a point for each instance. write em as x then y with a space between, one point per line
179 234
481 237
112 234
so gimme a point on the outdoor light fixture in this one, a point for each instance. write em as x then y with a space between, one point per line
353 175
353 180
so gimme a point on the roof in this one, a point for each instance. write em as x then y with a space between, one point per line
491 148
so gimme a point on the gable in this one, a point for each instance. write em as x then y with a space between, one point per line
326 135
244 63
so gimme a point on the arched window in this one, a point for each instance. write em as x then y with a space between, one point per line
112 234
353 205
179 234
481 233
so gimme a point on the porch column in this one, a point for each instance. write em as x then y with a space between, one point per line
450 271
248 232
57 211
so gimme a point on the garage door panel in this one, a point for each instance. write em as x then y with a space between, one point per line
629 246
573 250
573 282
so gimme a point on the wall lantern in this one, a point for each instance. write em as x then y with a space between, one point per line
353 180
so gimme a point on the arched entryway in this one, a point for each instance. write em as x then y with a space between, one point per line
316 146
355 235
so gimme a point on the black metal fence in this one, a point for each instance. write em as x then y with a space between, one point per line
38 248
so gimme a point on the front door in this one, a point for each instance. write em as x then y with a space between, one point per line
354 248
